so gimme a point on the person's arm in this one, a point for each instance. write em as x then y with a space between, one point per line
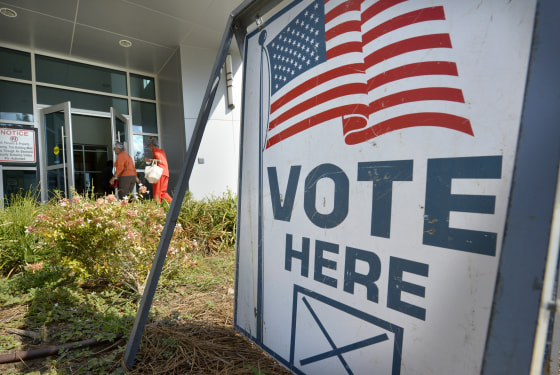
119 168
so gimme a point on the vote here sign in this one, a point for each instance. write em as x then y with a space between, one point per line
378 146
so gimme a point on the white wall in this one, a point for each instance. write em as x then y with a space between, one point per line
220 143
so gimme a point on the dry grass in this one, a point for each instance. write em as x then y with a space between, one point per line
204 343
191 333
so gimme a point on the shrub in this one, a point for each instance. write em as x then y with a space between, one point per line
210 222
109 240
17 247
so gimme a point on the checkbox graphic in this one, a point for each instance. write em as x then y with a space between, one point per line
329 337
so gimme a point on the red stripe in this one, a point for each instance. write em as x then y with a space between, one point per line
344 7
421 15
443 120
346 27
408 45
413 70
315 120
337 92
343 49
379 7
314 82
416 95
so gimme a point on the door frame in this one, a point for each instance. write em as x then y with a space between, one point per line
67 153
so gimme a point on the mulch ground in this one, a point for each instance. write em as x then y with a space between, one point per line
194 336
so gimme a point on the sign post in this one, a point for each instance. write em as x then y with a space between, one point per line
381 144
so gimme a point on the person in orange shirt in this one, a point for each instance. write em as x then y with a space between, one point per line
125 171
160 187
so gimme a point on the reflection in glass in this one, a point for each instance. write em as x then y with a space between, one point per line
144 118
51 96
19 183
142 87
83 76
140 150
54 122
15 64
16 101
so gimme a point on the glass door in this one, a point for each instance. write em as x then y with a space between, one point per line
119 128
58 156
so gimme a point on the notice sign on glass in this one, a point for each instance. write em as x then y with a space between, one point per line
378 148
17 145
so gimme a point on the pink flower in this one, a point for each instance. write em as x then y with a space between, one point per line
130 234
99 202
64 202
80 221
131 213
76 199
31 228
87 206
34 267
42 217
111 198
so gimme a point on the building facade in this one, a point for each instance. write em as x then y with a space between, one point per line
60 116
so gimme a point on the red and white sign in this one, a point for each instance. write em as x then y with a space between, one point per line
379 140
17 146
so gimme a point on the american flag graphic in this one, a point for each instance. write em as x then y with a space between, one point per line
379 66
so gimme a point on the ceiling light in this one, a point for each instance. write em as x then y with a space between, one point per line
8 12
125 43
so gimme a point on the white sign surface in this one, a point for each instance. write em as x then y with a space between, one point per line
378 148
17 145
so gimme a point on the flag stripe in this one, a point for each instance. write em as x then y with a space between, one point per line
413 70
315 120
344 49
316 100
408 45
379 7
314 82
417 16
341 9
429 93
342 28
442 120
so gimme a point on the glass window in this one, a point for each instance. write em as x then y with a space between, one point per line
16 101
140 149
83 76
144 119
15 64
18 182
82 100
142 87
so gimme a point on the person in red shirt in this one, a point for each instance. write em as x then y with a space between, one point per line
160 187
125 171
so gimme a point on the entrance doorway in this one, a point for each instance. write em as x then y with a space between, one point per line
91 144
76 147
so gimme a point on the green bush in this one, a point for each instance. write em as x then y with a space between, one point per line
18 248
106 240
109 240
210 222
